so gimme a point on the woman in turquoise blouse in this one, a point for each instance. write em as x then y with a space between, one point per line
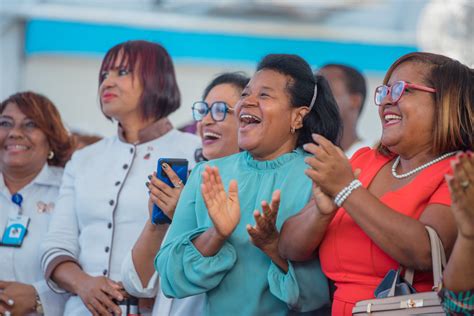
211 247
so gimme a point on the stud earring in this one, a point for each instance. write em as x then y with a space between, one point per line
292 130
51 155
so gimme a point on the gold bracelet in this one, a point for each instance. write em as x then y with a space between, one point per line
39 306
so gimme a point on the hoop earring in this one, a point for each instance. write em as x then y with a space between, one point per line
51 155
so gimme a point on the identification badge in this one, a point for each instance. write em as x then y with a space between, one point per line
15 232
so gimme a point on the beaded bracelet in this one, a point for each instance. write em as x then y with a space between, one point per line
344 190
344 193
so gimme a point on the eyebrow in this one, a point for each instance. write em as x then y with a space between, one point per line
268 88
117 68
391 84
11 118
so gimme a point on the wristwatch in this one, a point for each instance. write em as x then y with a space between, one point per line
39 306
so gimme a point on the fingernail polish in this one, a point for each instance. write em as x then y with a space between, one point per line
147 184
149 177
165 166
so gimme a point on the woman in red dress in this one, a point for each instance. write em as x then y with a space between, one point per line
368 214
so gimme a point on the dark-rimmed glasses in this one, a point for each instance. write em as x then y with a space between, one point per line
396 91
218 110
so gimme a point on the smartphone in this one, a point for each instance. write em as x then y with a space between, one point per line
180 167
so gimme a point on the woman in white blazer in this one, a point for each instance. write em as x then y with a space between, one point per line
102 205
34 146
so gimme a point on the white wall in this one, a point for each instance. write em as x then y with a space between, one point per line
369 126
11 55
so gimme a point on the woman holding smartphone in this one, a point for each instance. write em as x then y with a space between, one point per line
217 127
102 204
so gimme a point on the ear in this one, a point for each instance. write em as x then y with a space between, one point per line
297 117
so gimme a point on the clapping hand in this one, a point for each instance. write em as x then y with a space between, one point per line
223 208
461 186
324 203
329 168
264 234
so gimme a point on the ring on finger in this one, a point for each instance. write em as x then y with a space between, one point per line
179 184
464 184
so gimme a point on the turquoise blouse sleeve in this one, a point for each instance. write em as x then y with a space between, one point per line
183 270
304 288
240 269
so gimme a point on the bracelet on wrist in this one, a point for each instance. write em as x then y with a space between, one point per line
346 191
39 306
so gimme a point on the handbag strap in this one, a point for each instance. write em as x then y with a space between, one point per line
391 293
409 275
438 259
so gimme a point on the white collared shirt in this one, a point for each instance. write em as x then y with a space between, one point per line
103 204
164 306
23 264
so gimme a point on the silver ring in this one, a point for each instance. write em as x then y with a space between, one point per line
179 184
464 184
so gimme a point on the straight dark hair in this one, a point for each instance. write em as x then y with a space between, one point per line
324 118
160 96
237 79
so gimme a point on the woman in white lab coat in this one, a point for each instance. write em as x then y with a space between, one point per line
102 205
34 145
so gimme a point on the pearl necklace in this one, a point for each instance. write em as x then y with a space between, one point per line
426 165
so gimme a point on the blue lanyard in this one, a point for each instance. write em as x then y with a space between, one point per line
17 199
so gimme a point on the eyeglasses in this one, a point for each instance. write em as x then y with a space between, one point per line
396 90
218 110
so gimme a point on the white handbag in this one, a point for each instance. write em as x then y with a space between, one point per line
425 303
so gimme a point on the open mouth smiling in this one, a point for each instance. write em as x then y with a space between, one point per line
391 118
16 147
249 119
211 135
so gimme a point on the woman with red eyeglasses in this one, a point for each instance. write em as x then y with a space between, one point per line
369 214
